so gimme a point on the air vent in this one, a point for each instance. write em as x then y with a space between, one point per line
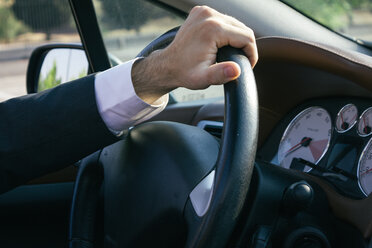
212 127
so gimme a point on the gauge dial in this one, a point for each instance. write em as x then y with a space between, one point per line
346 118
365 123
307 137
365 169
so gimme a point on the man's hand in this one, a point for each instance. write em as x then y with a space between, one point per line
190 60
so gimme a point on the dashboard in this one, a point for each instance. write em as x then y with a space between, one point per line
312 101
329 138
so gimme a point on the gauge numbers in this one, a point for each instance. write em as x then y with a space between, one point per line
365 169
346 118
365 123
307 137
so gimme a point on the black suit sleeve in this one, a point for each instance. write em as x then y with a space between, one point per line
44 132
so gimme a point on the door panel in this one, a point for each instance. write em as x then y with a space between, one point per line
35 215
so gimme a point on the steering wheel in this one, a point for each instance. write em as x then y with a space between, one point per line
169 184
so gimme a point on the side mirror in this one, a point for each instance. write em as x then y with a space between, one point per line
54 64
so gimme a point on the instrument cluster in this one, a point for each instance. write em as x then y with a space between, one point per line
330 138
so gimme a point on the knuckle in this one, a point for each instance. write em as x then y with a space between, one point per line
250 35
232 19
195 9
205 11
212 25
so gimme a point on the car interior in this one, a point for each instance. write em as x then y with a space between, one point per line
283 159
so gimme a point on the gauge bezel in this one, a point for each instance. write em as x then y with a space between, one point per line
360 117
285 133
338 116
358 169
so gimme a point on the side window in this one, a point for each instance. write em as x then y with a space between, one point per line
25 25
127 26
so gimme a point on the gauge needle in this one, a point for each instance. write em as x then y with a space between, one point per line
366 172
344 125
304 142
342 119
366 129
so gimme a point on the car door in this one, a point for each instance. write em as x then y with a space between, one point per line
35 214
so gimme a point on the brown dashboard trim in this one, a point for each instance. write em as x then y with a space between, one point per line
67 174
355 212
349 64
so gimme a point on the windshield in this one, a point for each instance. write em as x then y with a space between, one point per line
352 18
127 26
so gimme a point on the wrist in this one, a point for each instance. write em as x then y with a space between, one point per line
152 77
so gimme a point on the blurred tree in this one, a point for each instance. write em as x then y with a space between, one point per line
336 14
42 15
10 27
128 14
361 3
50 80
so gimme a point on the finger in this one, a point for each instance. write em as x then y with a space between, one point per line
253 57
245 40
205 12
221 73
232 32
239 38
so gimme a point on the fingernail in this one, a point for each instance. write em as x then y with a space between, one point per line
229 72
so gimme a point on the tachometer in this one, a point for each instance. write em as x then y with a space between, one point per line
307 137
365 169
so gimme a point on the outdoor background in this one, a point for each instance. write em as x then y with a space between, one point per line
26 24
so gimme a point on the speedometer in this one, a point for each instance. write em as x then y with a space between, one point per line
307 137
365 169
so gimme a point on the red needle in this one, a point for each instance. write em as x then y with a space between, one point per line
297 145
364 121
366 172
342 119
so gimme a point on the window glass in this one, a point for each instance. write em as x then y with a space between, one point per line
127 26
25 25
352 18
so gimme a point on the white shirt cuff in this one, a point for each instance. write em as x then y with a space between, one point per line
117 101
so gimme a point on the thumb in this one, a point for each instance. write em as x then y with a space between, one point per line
223 72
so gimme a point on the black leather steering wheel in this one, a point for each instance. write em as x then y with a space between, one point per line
169 184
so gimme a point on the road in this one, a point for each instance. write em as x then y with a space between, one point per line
13 78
